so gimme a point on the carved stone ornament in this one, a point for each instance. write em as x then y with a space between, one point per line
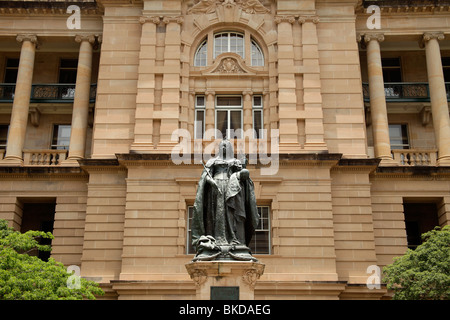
229 63
250 277
199 277
210 6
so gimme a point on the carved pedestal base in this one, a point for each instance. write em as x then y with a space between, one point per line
207 274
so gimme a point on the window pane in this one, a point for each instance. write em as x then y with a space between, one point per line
61 137
398 135
229 101
257 56
190 248
201 55
257 123
68 71
235 124
229 42
200 101
199 124
3 135
260 243
257 101
222 122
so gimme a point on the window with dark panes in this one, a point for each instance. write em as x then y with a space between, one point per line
260 243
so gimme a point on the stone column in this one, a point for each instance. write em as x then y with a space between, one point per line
209 110
21 104
80 110
438 96
171 84
378 108
145 98
287 99
247 108
312 87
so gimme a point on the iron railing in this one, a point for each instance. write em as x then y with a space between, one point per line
405 91
55 92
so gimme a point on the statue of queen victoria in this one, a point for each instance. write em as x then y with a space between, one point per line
225 212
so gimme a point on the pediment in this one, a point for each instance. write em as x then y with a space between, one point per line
229 64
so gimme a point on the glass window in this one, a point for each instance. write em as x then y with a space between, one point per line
258 117
392 71
61 137
398 134
229 42
260 243
257 55
12 67
68 71
199 126
201 55
3 135
229 116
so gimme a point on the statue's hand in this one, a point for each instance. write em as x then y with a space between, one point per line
244 174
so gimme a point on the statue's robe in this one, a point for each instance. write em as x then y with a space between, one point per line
240 217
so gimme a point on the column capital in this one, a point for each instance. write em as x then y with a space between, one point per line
313 18
247 93
27 37
173 19
288 19
210 93
80 38
152 19
372 36
427 36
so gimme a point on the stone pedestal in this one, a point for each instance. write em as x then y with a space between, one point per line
219 274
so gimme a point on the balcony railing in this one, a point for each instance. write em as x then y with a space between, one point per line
405 91
43 157
415 157
56 92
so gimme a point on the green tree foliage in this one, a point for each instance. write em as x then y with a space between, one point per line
423 273
26 277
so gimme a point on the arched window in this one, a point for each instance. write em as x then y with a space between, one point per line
229 41
257 55
201 55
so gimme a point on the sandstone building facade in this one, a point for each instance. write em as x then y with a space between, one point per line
347 127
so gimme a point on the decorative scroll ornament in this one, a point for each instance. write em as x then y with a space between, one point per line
210 6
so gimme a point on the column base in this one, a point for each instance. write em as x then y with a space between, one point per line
388 162
221 276
443 162
70 162
11 162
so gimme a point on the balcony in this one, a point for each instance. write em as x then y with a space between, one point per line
415 157
46 93
405 91
41 158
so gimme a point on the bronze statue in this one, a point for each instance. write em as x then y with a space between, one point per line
225 212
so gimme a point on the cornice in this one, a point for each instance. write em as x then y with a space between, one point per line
43 173
48 7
